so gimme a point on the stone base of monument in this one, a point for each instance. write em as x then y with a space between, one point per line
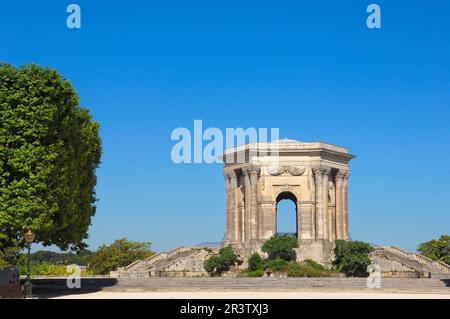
189 261
317 250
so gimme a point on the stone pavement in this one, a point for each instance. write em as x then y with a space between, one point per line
254 295
436 287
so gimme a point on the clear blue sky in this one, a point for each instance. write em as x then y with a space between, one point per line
311 68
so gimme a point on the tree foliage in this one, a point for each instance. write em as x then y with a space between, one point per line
281 246
255 262
49 151
437 249
119 254
352 257
80 258
217 264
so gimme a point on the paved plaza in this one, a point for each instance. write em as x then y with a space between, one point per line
248 288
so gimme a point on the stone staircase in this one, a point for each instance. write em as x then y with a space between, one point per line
416 262
141 268
165 264
156 270
440 283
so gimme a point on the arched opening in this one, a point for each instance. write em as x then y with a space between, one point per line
286 214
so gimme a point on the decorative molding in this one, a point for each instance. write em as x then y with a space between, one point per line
280 170
342 174
321 170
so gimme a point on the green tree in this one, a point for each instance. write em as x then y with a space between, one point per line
119 254
352 257
49 151
437 249
281 246
217 264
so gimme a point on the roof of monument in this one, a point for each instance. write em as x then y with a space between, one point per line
287 140
291 146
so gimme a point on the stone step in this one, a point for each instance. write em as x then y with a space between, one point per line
280 283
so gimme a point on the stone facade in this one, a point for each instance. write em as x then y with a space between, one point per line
313 175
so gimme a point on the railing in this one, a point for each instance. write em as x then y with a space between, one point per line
419 258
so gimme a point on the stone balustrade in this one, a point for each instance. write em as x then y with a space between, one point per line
420 258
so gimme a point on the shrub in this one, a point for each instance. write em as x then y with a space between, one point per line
216 265
255 262
227 255
296 270
307 268
314 265
281 246
46 269
43 269
256 273
352 257
210 264
276 265
315 273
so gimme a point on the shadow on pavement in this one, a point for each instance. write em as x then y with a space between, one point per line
57 287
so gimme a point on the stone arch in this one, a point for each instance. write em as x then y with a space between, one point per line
287 195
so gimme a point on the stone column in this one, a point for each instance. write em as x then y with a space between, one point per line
318 177
247 198
305 210
312 212
326 217
339 213
345 205
254 174
240 207
267 214
332 208
233 206
227 208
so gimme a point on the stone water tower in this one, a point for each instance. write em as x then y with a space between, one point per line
312 175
